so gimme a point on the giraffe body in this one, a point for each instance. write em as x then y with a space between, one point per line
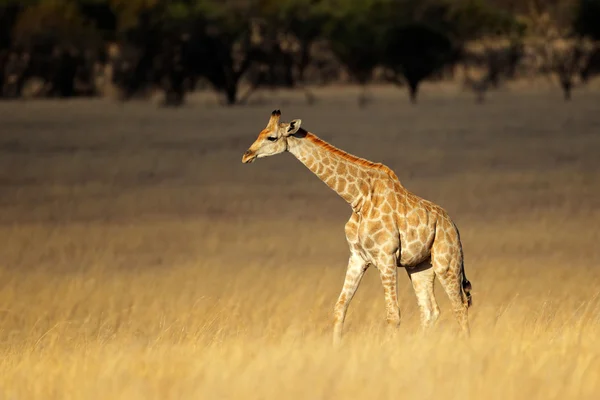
390 227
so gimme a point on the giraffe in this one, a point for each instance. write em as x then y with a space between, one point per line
390 227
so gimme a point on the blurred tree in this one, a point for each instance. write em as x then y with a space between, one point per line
587 19
53 22
356 32
303 19
10 63
8 17
144 41
222 45
592 66
474 19
587 24
549 18
56 42
128 12
567 61
415 52
223 40
102 16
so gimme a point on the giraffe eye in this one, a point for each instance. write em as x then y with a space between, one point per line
272 138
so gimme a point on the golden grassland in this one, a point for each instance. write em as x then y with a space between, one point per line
141 260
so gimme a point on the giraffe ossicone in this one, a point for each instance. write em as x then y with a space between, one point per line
390 227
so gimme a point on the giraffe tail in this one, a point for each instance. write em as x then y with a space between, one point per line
466 286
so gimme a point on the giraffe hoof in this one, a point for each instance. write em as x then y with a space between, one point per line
393 323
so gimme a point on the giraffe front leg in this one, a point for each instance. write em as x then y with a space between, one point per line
389 280
354 273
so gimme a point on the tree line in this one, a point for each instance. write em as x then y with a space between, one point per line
76 47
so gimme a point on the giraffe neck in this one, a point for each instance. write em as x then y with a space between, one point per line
347 175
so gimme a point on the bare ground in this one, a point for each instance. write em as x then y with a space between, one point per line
141 260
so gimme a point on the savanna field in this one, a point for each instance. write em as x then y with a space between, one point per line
140 259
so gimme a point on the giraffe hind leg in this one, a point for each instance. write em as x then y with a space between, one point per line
448 271
423 277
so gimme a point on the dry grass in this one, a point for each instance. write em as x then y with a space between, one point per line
141 260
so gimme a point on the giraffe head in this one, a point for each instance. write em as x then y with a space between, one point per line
273 139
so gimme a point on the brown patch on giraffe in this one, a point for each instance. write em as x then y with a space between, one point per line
387 219
368 225
353 190
264 132
349 286
351 230
413 219
401 209
378 187
363 186
375 213
402 200
415 248
341 169
352 170
386 208
444 224
368 243
377 225
326 161
341 185
440 235
423 233
380 236
412 234
442 248
444 260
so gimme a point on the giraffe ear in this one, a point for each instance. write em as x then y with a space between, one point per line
293 127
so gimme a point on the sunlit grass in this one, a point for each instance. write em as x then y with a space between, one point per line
191 331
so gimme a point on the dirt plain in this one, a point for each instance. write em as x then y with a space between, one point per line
140 259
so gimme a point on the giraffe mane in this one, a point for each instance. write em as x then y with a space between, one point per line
352 158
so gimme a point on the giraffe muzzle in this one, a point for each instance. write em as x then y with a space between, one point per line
248 157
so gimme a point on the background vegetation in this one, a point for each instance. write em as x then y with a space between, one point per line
77 47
